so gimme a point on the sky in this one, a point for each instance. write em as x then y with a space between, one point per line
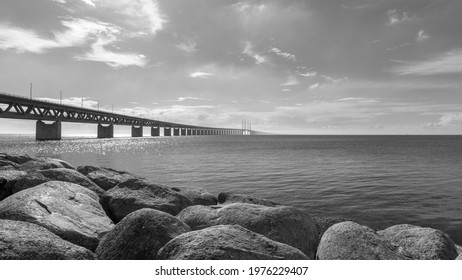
286 66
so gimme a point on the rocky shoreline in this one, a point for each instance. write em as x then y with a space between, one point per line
50 209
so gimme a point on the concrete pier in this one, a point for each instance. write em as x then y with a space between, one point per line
105 131
137 131
45 131
167 131
183 132
189 131
155 131
176 131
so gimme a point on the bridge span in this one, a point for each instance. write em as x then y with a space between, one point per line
17 107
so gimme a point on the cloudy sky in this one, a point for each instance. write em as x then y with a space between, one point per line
289 66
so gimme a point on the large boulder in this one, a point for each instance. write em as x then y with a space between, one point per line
284 224
227 242
36 178
323 223
228 198
106 178
18 159
7 180
9 164
351 241
26 241
140 235
66 209
44 163
421 243
135 194
197 196
459 258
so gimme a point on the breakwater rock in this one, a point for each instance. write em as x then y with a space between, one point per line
50 209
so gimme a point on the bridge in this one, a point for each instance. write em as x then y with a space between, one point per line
18 107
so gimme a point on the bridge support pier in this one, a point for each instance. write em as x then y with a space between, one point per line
155 131
45 131
137 131
176 131
105 131
189 131
183 132
167 131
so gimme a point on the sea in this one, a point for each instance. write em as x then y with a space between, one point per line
378 181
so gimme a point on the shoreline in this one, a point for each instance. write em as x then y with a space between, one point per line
122 200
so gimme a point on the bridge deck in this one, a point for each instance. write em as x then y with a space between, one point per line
17 107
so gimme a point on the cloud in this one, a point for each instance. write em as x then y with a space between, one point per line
249 51
394 17
181 99
308 74
78 32
188 47
201 75
422 36
399 46
291 81
446 119
116 60
283 54
140 14
72 101
89 2
314 86
358 99
447 63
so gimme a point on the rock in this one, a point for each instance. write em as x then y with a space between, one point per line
351 241
421 243
323 223
7 180
227 242
66 209
135 194
197 196
140 235
283 224
26 241
459 258
18 159
459 249
36 178
228 198
105 178
44 163
4 163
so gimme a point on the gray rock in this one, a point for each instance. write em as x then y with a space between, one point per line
26 241
323 223
197 196
18 159
421 243
140 235
459 258
44 163
36 178
7 180
228 198
66 209
135 194
459 249
351 241
227 242
284 224
6 163
105 178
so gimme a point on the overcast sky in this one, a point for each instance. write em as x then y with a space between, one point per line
289 66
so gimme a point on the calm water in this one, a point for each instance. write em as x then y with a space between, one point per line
376 180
